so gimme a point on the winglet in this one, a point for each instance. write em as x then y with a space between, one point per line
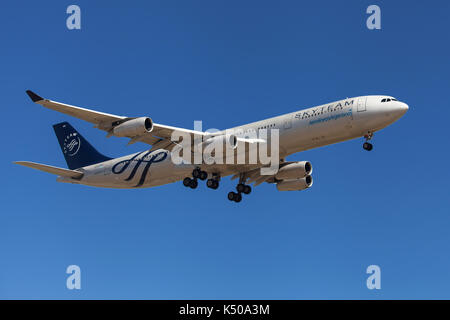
33 96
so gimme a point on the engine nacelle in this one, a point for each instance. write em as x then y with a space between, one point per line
295 184
294 170
134 127
229 140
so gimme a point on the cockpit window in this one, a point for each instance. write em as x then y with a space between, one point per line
388 99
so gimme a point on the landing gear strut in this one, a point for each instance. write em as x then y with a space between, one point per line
367 145
213 182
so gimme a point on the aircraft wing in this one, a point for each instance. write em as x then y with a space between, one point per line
158 137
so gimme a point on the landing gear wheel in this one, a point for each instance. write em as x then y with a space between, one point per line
203 175
233 196
247 189
187 182
367 146
196 173
193 183
240 187
213 184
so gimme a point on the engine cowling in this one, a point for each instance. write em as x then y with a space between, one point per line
229 140
294 170
134 127
295 184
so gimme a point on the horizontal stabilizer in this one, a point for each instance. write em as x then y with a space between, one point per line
50 169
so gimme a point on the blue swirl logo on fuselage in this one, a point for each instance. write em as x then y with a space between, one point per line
148 159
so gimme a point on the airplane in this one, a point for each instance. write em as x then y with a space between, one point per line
301 130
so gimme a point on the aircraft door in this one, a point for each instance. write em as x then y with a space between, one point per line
102 169
287 123
361 104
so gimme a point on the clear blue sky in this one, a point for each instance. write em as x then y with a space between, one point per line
227 63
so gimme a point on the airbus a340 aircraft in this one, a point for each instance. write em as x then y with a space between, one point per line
298 131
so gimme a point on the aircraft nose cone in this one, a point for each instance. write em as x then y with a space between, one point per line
400 109
403 106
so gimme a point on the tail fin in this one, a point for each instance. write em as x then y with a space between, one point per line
77 151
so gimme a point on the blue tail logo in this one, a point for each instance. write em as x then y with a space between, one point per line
77 151
72 144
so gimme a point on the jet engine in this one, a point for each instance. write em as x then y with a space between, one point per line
295 170
295 184
134 127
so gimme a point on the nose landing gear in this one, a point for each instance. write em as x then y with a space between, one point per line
367 145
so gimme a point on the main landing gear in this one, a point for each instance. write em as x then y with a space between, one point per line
213 183
197 174
241 188
367 145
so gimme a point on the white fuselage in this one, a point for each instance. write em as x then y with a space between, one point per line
298 131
